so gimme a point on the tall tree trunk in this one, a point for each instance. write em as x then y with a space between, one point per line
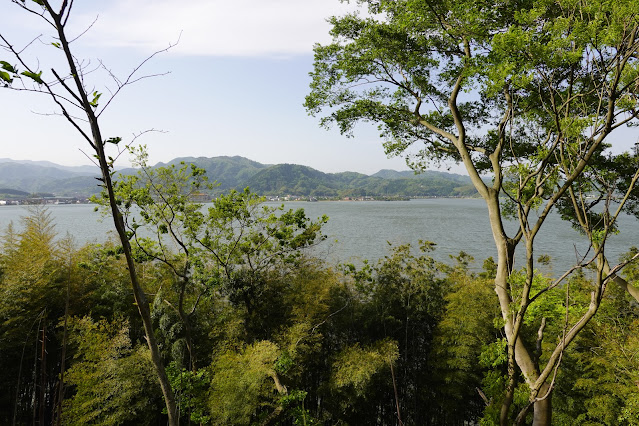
505 260
140 297
97 143
542 409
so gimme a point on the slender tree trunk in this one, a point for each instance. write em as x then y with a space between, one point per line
138 293
98 145
399 417
43 372
510 390
281 390
625 285
58 406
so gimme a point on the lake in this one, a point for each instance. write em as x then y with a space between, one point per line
361 230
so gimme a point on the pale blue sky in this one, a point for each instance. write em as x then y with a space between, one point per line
236 86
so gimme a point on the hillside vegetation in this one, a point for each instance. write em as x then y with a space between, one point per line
239 173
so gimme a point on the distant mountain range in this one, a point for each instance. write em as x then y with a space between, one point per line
48 164
238 173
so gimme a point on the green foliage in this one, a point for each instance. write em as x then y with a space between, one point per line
114 381
6 77
231 246
400 299
191 391
315 347
603 368
463 335
38 271
237 232
549 305
32 269
37 77
34 273
287 328
10 72
526 91
354 366
294 401
494 354
8 67
241 381
94 101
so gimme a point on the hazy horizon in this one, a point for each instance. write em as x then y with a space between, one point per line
236 84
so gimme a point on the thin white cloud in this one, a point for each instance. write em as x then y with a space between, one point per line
216 27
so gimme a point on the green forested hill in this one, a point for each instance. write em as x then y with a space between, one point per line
229 172
32 177
239 172
302 180
294 179
12 193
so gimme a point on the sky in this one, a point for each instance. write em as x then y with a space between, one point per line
234 84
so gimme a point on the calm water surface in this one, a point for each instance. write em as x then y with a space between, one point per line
361 230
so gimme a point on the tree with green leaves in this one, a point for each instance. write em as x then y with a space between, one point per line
398 300
32 299
600 373
67 87
227 247
465 337
112 377
526 92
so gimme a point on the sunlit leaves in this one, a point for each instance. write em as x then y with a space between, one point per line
241 232
8 67
94 101
355 365
5 77
7 71
494 354
113 380
240 382
37 77
191 388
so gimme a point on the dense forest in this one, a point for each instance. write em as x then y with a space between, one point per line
276 337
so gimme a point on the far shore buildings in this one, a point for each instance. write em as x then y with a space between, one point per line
286 198
43 200
200 197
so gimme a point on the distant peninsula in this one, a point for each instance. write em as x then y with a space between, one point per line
18 178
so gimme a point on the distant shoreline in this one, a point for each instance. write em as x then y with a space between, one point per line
50 201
